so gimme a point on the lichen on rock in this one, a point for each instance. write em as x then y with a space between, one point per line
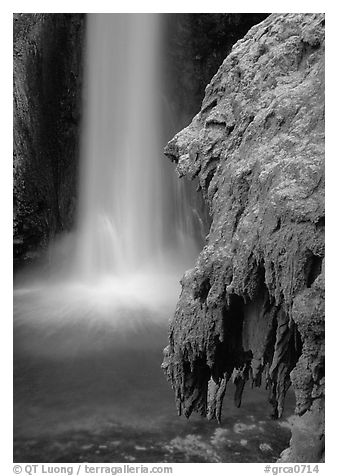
252 307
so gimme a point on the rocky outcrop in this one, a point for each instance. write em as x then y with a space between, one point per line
252 308
47 93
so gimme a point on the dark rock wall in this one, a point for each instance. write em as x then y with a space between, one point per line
195 44
253 306
48 50
47 100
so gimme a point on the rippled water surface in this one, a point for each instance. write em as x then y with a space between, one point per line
88 387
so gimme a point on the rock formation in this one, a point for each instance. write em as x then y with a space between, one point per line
252 308
48 52
47 97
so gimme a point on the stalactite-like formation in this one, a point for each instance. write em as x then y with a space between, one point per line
252 307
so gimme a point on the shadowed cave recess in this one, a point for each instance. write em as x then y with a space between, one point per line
247 93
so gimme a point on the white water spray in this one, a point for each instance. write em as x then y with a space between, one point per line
124 188
135 235
120 223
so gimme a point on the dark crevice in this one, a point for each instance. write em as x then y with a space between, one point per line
209 177
321 222
232 327
204 290
278 225
230 128
313 268
306 50
208 107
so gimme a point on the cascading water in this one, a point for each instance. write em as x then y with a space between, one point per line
88 340
135 231
121 208
92 334
124 197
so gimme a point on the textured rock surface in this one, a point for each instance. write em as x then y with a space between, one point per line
47 91
253 306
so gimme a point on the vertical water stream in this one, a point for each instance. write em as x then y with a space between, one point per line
88 343
129 214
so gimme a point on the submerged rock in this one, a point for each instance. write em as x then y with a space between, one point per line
252 308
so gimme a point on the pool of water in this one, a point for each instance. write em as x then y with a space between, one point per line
88 387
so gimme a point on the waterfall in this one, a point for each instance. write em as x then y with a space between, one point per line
118 272
126 191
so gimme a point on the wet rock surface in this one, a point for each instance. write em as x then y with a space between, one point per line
47 95
252 308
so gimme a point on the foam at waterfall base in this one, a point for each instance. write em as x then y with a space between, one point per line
76 317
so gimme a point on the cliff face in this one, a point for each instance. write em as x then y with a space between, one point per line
195 44
253 306
47 91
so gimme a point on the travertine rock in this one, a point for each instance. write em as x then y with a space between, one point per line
252 307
